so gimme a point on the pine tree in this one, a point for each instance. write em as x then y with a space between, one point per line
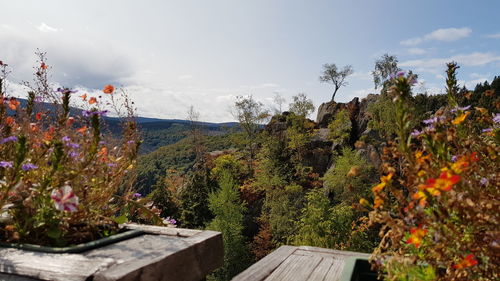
229 214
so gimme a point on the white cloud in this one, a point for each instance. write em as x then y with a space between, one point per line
494 36
473 59
185 77
417 51
442 34
43 27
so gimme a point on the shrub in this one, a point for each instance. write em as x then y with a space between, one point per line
438 200
62 181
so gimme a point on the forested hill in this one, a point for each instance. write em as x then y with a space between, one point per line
156 132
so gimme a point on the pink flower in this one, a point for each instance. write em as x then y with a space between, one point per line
65 199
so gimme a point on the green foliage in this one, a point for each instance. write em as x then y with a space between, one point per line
227 164
228 212
385 67
282 208
404 271
315 224
383 116
350 178
193 209
152 167
340 128
301 105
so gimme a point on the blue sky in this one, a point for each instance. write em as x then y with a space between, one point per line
170 55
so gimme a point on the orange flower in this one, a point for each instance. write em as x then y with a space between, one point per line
377 202
108 89
460 118
383 182
9 121
38 116
13 103
433 187
82 130
420 158
43 66
34 127
416 236
364 202
84 97
489 93
92 100
469 260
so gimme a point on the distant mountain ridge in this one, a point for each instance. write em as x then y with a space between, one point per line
156 132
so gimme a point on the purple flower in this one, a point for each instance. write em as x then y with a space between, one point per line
5 164
460 108
102 142
65 139
8 139
430 120
483 181
169 220
29 166
416 133
66 91
111 164
73 154
137 195
38 99
487 130
130 142
496 118
454 158
400 74
88 113
73 145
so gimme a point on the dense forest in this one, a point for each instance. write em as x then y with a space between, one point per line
292 181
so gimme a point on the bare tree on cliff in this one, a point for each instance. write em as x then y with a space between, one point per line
331 74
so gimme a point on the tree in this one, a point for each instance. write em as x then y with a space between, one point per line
229 214
302 105
196 134
278 101
331 74
385 67
250 114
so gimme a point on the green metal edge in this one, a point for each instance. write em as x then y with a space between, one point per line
349 268
77 248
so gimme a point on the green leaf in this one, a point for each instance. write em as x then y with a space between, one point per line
54 233
121 219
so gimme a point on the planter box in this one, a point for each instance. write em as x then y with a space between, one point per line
358 269
161 253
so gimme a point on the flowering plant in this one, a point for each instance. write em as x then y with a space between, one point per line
438 201
62 180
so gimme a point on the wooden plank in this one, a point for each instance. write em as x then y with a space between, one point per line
299 268
263 268
336 253
335 270
171 231
50 266
161 257
320 272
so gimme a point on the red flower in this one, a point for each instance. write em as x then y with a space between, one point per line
108 89
416 236
92 100
469 260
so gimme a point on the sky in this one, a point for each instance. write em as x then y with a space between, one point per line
170 55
